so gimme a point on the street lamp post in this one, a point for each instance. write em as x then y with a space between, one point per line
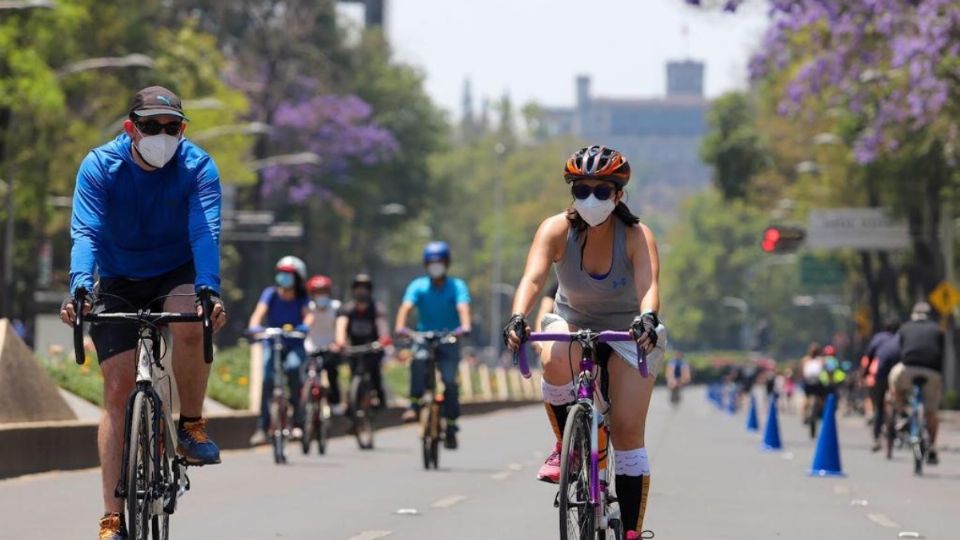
744 308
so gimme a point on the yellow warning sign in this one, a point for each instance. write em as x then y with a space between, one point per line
944 298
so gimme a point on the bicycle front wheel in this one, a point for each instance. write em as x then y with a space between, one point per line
311 425
138 468
576 511
361 409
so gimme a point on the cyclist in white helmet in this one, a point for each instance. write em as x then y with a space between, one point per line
285 303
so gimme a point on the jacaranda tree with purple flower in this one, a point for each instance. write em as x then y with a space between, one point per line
884 75
337 128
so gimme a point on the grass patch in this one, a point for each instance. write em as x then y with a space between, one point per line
230 377
85 381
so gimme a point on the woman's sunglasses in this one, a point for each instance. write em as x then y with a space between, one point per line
601 192
154 128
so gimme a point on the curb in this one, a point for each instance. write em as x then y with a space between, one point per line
36 447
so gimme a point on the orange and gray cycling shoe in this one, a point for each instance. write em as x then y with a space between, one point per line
111 528
550 470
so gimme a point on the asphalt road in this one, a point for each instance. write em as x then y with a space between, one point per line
710 481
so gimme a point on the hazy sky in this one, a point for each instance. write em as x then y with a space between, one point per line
534 48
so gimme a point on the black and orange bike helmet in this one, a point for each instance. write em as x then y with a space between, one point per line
597 163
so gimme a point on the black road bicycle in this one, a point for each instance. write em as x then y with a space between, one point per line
363 394
152 475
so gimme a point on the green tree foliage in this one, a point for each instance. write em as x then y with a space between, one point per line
713 254
732 146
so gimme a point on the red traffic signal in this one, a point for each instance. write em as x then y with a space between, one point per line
780 239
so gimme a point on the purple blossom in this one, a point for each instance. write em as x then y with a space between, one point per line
888 59
338 129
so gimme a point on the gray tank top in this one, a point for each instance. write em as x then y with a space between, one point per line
598 303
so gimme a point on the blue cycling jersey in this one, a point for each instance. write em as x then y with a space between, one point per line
437 304
137 224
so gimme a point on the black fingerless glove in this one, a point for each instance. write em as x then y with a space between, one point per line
214 299
645 325
71 298
519 327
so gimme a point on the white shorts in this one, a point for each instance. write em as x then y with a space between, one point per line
625 349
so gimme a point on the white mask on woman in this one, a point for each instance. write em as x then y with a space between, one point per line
593 210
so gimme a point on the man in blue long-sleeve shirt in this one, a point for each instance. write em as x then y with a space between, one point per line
146 219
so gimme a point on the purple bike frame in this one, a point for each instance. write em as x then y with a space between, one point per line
585 388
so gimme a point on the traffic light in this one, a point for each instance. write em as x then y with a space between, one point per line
782 239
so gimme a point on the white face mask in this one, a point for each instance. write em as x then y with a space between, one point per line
158 150
436 269
322 301
593 210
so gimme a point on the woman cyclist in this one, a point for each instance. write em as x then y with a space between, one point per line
607 264
286 303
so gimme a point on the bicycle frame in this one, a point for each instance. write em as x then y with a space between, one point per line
161 495
586 391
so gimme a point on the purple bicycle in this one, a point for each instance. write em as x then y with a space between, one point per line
587 506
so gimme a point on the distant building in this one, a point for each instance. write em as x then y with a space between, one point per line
660 136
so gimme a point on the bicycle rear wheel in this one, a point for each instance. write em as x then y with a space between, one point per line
576 512
918 440
160 524
361 409
138 468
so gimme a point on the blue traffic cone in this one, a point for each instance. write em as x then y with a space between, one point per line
771 436
753 423
732 402
714 394
826 457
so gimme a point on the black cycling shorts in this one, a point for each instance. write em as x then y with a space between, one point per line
114 295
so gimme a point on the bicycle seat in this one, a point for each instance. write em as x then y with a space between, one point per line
920 380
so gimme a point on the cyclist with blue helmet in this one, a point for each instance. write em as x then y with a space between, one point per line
443 305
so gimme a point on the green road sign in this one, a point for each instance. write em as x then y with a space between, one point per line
821 271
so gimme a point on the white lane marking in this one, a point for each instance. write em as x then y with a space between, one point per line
859 502
501 475
447 502
883 521
909 534
515 467
407 512
371 535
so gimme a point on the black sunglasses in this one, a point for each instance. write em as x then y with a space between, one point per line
602 192
154 128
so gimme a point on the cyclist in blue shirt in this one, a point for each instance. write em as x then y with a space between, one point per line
285 304
443 304
146 219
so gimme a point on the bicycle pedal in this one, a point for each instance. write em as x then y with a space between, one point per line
556 500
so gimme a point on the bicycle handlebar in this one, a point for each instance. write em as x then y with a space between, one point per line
141 318
269 333
424 337
520 358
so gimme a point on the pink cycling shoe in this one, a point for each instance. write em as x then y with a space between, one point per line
550 470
